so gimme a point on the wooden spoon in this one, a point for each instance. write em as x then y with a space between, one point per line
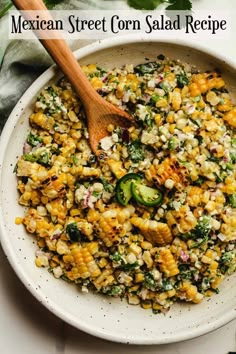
99 112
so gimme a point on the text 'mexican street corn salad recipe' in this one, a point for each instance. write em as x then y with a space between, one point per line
152 219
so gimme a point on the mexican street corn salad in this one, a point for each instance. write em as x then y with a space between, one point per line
151 219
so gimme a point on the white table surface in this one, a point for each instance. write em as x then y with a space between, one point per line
26 327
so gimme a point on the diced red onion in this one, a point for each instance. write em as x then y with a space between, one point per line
26 148
184 256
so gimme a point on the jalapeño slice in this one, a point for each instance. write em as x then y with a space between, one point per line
146 195
123 188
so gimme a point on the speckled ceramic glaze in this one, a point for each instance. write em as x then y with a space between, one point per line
99 315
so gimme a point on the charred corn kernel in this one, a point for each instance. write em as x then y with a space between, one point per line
230 117
211 205
167 262
41 243
102 262
169 167
85 171
105 278
201 83
133 299
92 247
148 259
93 215
108 226
62 247
146 245
162 103
85 262
209 256
194 196
72 116
155 232
42 261
135 249
225 106
216 282
156 306
139 277
190 292
74 212
175 100
40 119
68 258
183 219
116 168
146 304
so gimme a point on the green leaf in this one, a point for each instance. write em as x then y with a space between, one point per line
179 5
5 9
51 3
145 4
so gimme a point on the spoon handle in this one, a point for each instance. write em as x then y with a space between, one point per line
60 51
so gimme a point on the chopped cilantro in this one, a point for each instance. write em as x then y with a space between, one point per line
203 228
33 140
173 143
115 290
116 257
129 266
233 142
30 157
44 159
166 285
148 68
200 243
232 200
107 186
149 281
135 151
199 181
182 80
73 232
233 157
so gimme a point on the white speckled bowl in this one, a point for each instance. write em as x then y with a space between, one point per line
107 318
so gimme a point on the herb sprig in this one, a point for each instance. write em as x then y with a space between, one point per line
137 4
49 3
153 4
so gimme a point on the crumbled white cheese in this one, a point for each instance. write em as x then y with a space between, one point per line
57 272
106 143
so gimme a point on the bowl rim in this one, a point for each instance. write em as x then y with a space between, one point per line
6 244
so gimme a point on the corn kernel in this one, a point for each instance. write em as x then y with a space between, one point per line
18 220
